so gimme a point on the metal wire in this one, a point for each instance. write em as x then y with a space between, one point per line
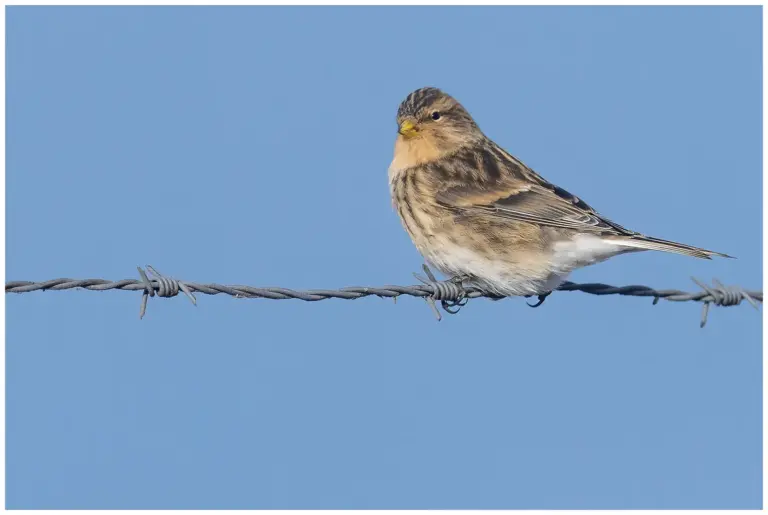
451 294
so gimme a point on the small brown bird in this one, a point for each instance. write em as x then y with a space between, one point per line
480 215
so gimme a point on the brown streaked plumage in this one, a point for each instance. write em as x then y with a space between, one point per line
475 211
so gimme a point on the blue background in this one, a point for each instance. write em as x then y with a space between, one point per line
250 146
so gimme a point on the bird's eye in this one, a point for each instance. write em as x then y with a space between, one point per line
436 115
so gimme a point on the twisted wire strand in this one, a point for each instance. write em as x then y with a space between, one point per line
452 294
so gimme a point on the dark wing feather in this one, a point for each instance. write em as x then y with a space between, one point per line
518 193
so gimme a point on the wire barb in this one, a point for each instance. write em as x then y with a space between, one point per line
453 293
450 293
166 287
722 295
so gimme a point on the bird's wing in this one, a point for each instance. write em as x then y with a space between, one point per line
518 193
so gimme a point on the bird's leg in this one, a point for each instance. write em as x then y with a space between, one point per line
467 281
542 298
462 280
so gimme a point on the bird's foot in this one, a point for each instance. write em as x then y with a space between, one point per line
541 300
461 280
450 292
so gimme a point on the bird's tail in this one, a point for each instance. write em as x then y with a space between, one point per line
641 242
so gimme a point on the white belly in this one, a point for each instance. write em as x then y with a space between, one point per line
491 274
510 279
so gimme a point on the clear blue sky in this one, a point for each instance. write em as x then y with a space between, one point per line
250 146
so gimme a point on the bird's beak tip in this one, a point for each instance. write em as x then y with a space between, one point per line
407 129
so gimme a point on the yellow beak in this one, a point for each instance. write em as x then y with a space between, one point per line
407 129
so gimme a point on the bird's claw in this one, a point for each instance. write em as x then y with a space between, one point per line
541 300
450 292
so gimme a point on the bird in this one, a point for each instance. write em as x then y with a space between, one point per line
483 218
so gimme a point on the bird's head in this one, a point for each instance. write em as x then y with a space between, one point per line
433 122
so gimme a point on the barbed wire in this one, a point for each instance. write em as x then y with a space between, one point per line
451 294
